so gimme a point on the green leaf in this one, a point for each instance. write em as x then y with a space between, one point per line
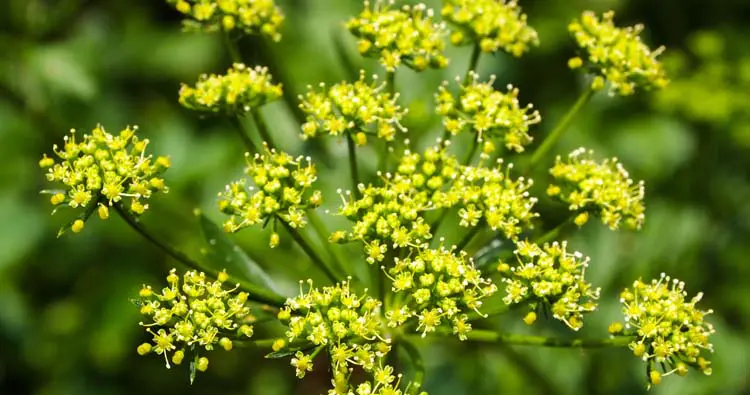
289 351
223 253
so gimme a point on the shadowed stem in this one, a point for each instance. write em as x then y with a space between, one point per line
249 145
488 336
231 46
550 141
323 234
416 361
305 245
475 52
353 164
556 232
468 237
390 80
255 293
262 128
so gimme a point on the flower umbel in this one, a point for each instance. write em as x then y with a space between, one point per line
366 109
552 277
192 314
670 331
604 187
239 91
616 55
491 24
283 190
255 17
481 109
399 36
102 169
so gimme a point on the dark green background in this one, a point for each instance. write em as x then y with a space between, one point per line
67 323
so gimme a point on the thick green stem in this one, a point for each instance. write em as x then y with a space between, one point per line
303 243
468 237
416 361
552 139
255 293
390 81
353 164
260 123
231 46
473 62
487 336
323 234
249 145
472 151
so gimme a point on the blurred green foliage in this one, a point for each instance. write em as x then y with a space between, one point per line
67 323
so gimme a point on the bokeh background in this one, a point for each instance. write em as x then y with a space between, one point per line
67 321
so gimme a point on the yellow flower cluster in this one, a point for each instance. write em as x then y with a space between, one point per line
437 286
102 169
360 107
549 276
240 90
616 55
282 191
491 24
481 109
192 314
399 36
349 327
256 17
604 187
670 332
390 216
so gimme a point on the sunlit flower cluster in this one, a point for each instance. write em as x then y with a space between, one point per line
240 90
361 108
616 55
490 196
406 36
604 188
193 314
100 170
491 24
481 109
437 287
670 331
256 17
390 215
282 190
549 277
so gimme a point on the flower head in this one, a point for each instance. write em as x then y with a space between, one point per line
399 36
670 331
616 55
193 314
360 107
491 24
255 17
240 90
550 276
282 190
604 187
100 170
481 109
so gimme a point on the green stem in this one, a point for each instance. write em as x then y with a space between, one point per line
558 131
323 234
260 123
554 233
416 360
487 336
472 151
353 164
467 238
498 310
231 46
249 145
302 242
255 293
390 81
475 52
436 225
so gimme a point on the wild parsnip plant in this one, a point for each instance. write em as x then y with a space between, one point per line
419 285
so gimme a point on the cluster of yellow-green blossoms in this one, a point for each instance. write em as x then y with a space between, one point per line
549 276
491 24
256 17
670 331
437 287
101 170
391 216
616 55
384 382
481 109
406 36
604 187
240 90
192 314
489 195
360 108
282 190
